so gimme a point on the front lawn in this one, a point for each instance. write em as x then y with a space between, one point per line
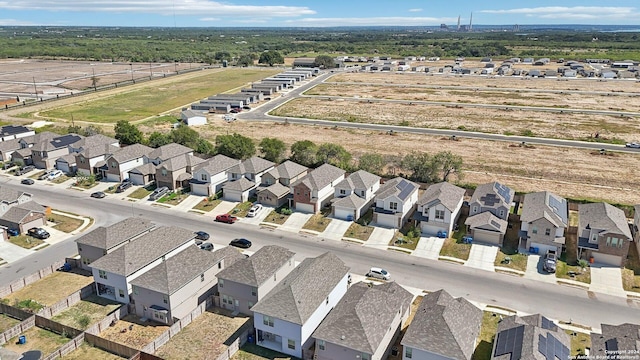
516 261
359 232
173 198
207 204
241 209
25 241
37 175
276 217
455 249
142 192
631 270
406 238
573 272
579 342
317 222
60 180
64 223
487 335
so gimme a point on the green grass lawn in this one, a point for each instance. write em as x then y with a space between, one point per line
154 99
579 341
631 270
142 192
25 241
241 209
88 311
207 205
406 238
64 223
173 198
563 269
455 249
487 335
60 180
517 261
358 231
317 222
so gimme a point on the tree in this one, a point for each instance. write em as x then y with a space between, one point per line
157 139
304 152
74 129
273 149
205 147
421 167
245 60
373 163
127 133
222 55
271 57
235 146
448 163
92 130
185 135
334 154
325 61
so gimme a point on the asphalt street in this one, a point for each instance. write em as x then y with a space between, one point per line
555 301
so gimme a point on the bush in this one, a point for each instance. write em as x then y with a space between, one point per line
583 263
286 211
84 321
29 305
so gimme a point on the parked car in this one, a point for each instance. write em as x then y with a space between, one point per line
550 261
54 175
38 233
633 145
254 210
25 170
44 176
27 182
379 273
158 193
241 243
124 186
201 235
207 246
226 218
13 232
98 195
246 107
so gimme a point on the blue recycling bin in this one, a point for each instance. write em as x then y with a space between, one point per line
250 339
22 339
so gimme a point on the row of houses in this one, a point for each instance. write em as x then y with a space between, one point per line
19 211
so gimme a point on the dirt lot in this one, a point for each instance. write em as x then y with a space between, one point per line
64 283
204 338
141 334
574 173
86 312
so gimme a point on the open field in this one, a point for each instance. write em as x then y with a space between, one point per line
37 339
140 335
65 284
204 338
86 351
86 312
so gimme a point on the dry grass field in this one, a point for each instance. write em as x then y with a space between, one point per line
86 351
140 335
65 284
37 339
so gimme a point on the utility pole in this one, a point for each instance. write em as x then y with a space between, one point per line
150 73
131 66
35 89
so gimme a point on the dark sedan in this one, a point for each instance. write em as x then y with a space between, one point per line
241 243
27 182
201 235
98 195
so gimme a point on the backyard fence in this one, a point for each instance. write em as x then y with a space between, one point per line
51 311
17 329
29 279
114 316
240 339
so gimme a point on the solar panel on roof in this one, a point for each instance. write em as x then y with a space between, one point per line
552 348
504 192
559 207
405 189
547 324
510 342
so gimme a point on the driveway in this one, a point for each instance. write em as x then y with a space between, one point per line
295 222
188 203
10 252
222 208
259 217
535 272
429 247
336 229
607 279
482 257
380 238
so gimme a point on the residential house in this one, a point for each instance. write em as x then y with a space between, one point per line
439 208
249 280
244 178
114 272
12 132
207 180
91 155
443 327
66 164
173 288
274 190
105 239
116 166
45 153
7 148
394 202
603 234
312 192
22 157
530 337
616 342
175 172
19 211
354 195
143 174
94 141
193 118
364 324
166 152
489 212
545 217
288 315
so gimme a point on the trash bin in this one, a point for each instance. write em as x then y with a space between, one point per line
22 339
250 339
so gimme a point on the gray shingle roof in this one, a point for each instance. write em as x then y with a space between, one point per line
39 137
177 271
277 189
301 292
10 145
493 195
181 162
144 169
352 201
539 205
140 252
218 164
107 237
166 152
131 152
92 151
624 337
444 193
360 180
241 184
534 326
487 221
259 267
95 141
57 142
9 195
31 205
16 214
321 177
402 188
68 158
363 316
603 216
24 153
253 165
445 326
287 170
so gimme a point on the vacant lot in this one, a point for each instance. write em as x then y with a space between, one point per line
204 338
140 335
88 311
37 339
52 288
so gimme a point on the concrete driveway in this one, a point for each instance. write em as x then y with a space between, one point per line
188 203
535 272
336 229
607 279
295 222
222 208
380 238
10 252
259 217
429 247
482 257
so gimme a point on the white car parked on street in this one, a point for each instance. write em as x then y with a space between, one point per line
379 273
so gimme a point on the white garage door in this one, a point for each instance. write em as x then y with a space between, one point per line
606 259
488 237
232 195
307 208
200 189
33 223
136 179
430 230
113 178
387 220
344 214
542 248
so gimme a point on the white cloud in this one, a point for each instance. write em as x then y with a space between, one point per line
210 19
370 21
575 12
415 10
163 7
14 22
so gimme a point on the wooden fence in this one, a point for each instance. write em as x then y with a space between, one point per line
114 316
60 306
17 329
240 339
29 279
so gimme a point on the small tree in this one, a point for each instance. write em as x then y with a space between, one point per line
271 57
157 139
325 61
185 135
304 152
127 133
205 147
273 149
92 130
373 163
235 146
334 154
448 163
421 167
245 60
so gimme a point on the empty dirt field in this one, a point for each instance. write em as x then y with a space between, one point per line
64 283
141 333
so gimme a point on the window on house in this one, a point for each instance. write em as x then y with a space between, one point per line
608 241
121 293
81 160
164 172
225 299
408 352
102 274
501 213
290 262
165 299
364 356
547 232
393 205
594 237
291 344
135 290
79 248
327 300
254 291
201 277
220 283
250 304
113 165
620 243
321 344
614 242
220 265
203 177
275 277
267 320
534 230
343 191
475 209
439 214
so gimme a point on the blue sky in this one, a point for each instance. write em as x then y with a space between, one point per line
317 13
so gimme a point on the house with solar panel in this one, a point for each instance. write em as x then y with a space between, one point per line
439 209
623 339
11 132
489 213
545 217
394 202
530 337
603 234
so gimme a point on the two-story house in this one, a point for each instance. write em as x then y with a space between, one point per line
105 239
12 132
439 209
530 337
116 166
244 178
545 217
92 141
616 341
18 211
208 178
175 173
114 272
394 202
89 156
364 324
489 209
315 190
249 280
7 148
443 327
288 315
603 234
354 195
275 188
45 153
165 152
173 288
